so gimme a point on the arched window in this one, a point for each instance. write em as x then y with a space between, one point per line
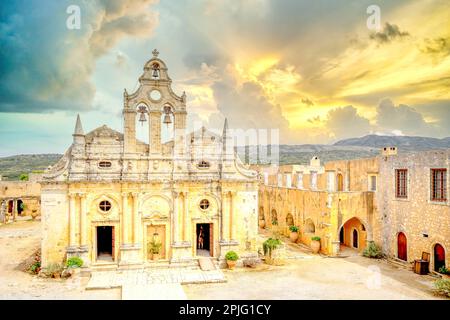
155 71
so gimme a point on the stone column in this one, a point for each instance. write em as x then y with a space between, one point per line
72 220
175 235
186 218
225 217
136 219
155 132
125 220
232 228
83 231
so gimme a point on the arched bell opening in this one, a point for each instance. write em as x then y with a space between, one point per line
142 123
167 123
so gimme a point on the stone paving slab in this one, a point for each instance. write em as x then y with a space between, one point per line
167 291
116 279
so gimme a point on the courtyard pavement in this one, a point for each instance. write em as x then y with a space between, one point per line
303 276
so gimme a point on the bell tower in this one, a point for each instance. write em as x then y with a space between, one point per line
154 101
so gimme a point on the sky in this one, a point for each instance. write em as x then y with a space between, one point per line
312 69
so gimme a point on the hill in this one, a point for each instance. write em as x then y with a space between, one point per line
11 167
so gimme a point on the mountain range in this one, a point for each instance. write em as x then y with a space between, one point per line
364 147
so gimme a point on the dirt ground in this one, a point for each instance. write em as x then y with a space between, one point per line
18 242
310 277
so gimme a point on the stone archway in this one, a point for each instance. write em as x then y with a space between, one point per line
353 234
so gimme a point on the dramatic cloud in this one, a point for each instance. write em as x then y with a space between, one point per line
404 118
389 33
45 66
345 122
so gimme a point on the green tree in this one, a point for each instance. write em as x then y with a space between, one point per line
23 177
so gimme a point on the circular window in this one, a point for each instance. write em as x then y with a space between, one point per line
155 95
204 204
105 206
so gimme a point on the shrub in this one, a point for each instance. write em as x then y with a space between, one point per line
293 229
74 262
23 177
444 270
271 244
53 269
35 267
372 251
315 238
231 256
274 222
443 287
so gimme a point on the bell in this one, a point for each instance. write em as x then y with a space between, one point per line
155 74
142 118
167 119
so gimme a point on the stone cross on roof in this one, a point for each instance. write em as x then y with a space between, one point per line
155 53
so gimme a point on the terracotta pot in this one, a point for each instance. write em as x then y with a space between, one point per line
231 264
156 256
262 223
315 246
293 236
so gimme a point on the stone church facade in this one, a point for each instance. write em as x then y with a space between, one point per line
111 196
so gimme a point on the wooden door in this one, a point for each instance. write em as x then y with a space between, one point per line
340 182
157 233
439 257
402 247
211 240
113 243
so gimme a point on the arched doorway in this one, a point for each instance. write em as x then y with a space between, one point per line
355 239
20 207
340 182
402 247
439 257
10 206
353 234
261 213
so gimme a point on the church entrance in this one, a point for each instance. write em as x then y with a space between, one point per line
20 207
205 242
105 243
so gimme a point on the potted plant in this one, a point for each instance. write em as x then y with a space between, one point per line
315 244
294 233
269 246
155 249
231 258
444 272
